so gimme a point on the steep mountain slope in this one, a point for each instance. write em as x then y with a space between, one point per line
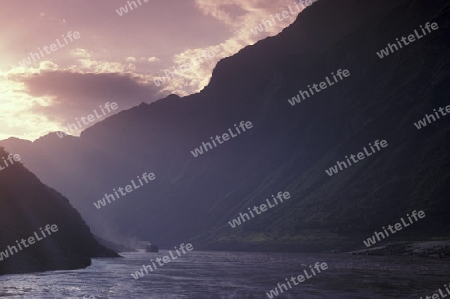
289 147
26 206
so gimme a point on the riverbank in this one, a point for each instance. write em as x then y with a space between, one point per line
429 249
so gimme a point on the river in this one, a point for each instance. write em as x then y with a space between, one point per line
226 275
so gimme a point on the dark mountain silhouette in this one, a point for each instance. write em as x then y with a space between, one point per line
289 147
27 205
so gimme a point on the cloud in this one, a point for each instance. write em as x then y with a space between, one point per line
48 65
38 100
240 16
112 61
51 18
193 71
80 52
16 118
77 94
56 83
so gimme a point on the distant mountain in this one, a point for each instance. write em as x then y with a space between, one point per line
289 147
116 247
61 240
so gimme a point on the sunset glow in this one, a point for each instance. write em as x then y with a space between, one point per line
73 76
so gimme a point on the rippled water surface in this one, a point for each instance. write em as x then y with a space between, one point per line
236 275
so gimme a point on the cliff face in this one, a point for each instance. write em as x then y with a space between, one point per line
289 147
26 206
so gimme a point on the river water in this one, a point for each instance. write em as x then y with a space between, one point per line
224 275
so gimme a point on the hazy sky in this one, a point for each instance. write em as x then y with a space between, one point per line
115 58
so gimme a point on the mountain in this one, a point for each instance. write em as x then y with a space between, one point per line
27 206
287 149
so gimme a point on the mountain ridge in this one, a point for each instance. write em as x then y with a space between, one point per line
27 205
289 148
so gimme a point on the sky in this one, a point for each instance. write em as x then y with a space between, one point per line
89 53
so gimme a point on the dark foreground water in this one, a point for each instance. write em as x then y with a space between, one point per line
200 275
